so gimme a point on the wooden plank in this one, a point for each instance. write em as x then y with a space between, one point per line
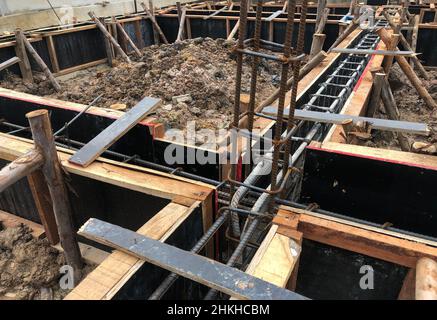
371 243
280 249
52 54
93 149
159 227
9 62
192 266
140 179
406 158
81 67
9 220
43 204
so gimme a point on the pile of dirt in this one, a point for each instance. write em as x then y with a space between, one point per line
411 108
29 267
202 68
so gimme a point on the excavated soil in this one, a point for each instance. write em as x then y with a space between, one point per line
411 108
204 69
29 267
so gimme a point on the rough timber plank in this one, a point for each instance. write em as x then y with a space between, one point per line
407 158
192 266
9 220
146 181
117 269
93 149
280 249
353 238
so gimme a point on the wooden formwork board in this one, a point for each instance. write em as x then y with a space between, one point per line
371 241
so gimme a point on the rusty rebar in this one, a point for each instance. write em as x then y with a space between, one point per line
296 71
234 132
254 75
282 92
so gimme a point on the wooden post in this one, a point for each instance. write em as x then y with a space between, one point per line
426 279
234 30
52 54
114 34
108 36
392 113
321 5
409 72
317 44
126 36
188 25
20 168
45 144
388 60
20 50
40 63
181 25
155 32
9 62
43 203
415 34
180 10
155 24
375 98
408 47
108 48
138 34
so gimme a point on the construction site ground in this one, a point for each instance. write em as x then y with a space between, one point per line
201 69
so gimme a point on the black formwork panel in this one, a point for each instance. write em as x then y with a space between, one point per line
6 54
89 198
137 141
330 273
426 40
18 200
141 285
77 48
372 190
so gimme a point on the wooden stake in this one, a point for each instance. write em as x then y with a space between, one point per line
181 25
108 48
52 54
9 62
415 34
45 144
375 98
155 24
409 72
20 168
388 60
126 36
115 34
20 50
109 37
321 5
43 203
155 32
426 279
392 113
317 45
234 30
407 47
40 63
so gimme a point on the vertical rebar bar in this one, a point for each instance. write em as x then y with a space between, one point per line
235 227
282 92
254 75
296 70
